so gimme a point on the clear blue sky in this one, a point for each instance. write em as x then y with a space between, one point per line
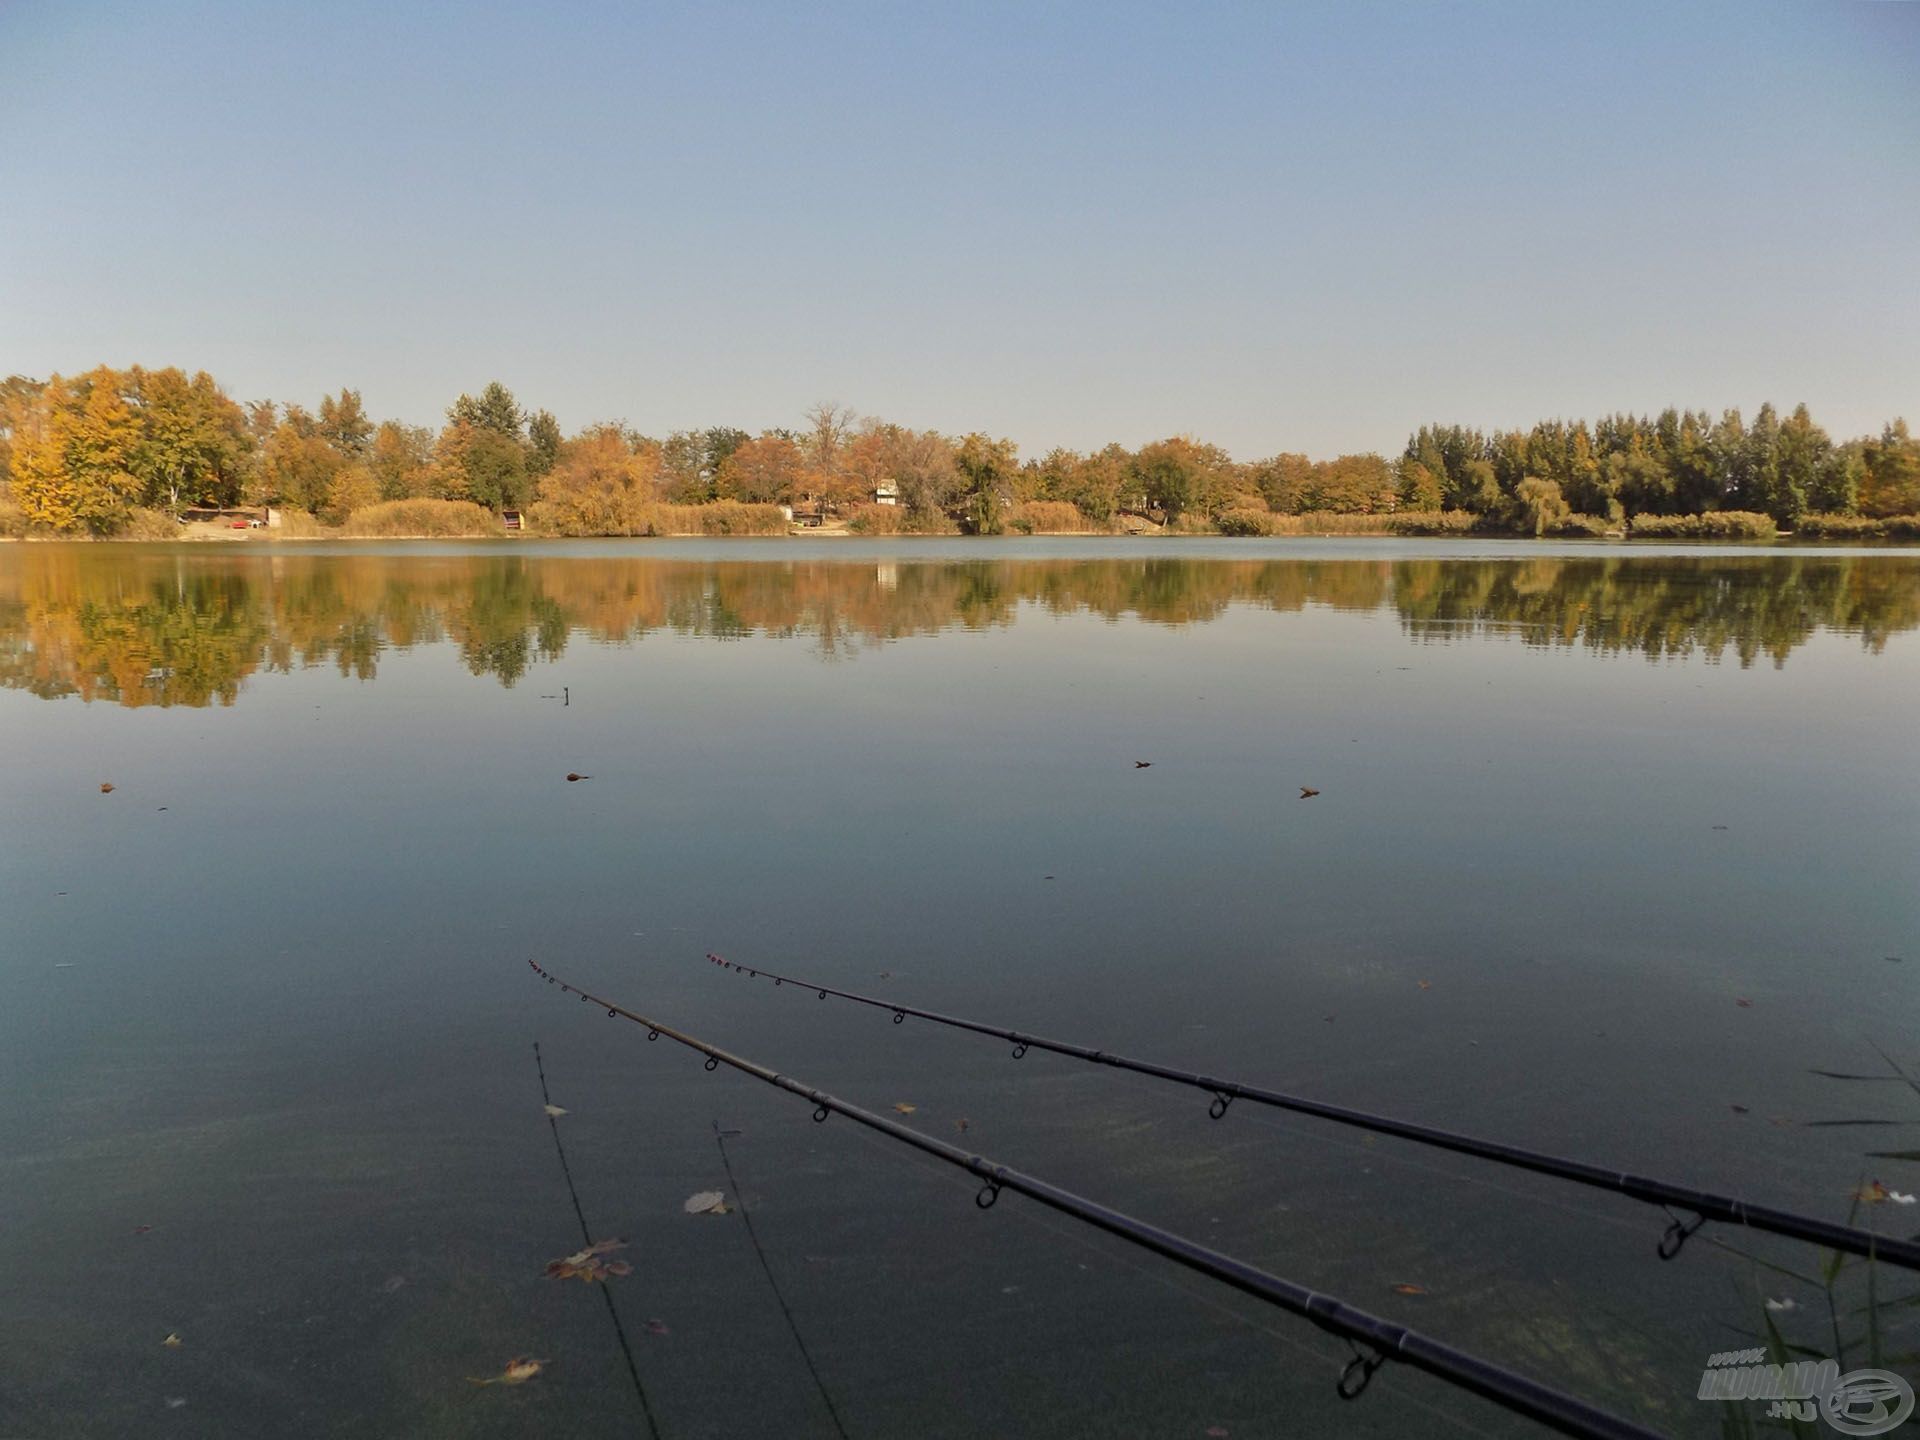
1300 227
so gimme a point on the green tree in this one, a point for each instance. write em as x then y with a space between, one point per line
543 442
484 465
986 469
194 441
344 425
1539 505
495 409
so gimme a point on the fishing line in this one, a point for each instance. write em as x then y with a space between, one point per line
1372 1339
586 1238
740 1199
1700 1205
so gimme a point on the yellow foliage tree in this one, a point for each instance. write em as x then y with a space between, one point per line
72 459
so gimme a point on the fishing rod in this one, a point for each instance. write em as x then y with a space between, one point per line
1373 1339
1703 1204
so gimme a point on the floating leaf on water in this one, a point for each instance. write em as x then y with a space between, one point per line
1216 1432
520 1369
392 1283
586 1264
1739 1109
904 1108
1744 1004
1407 1288
963 1124
172 1342
555 1111
1307 792
1871 1193
705 1201
106 787
1786 1304
1424 984
656 1327
143 1229
573 775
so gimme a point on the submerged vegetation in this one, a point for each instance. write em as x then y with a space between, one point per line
142 629
121 452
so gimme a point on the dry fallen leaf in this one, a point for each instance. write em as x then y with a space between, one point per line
574 775
1307 792
172 1342
587 1265
705 1201
555 1111
106 787
520 1369
1872 1193
906 1109
1424 984
1407 1288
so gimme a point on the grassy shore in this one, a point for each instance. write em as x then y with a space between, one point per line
458 519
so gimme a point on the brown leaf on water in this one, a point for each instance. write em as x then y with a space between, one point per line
904 1108
173 1341
106 787
1405 1287
573 775
1424 984
1871 1193
1307 792
587 1265
520 1369
555 1111
963 1124
704 1201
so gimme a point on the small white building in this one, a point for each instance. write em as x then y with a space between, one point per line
886 493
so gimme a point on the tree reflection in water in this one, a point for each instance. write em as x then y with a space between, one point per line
166 628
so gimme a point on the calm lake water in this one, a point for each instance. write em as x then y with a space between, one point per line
1613 848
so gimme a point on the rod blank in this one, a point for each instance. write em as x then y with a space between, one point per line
1703 1203
1506 1388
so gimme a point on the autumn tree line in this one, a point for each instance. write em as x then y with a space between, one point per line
95 453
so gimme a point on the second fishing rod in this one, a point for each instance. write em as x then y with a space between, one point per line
1703 1205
